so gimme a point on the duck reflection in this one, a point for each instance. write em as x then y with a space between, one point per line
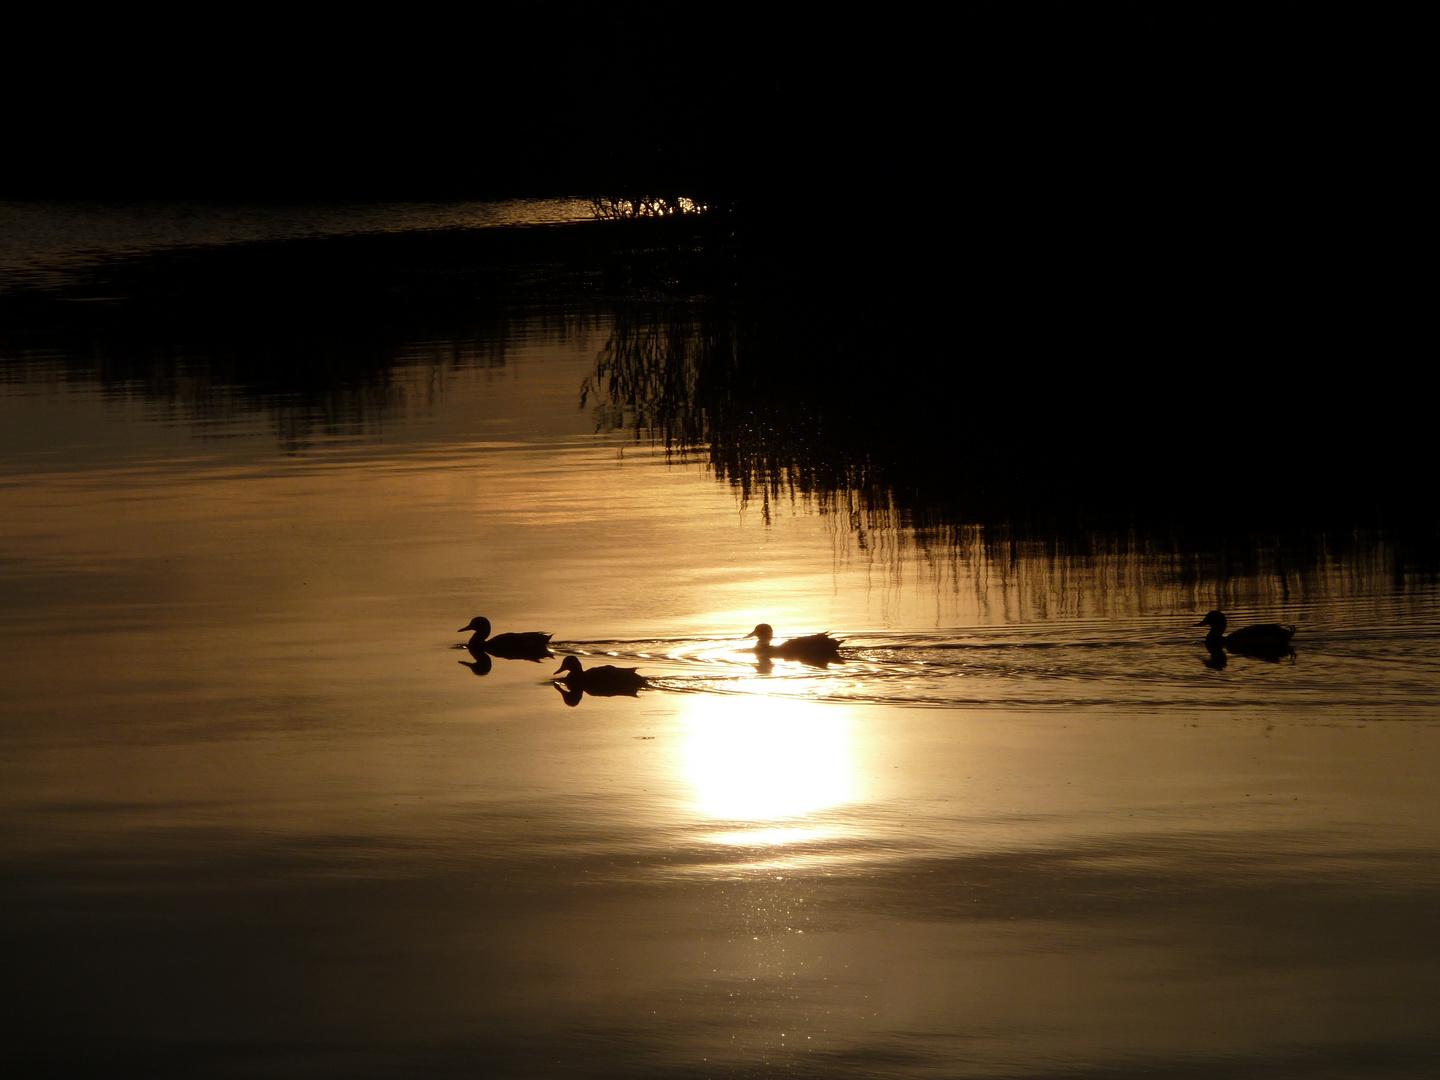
526 646
817 650
479 666
1263 641
574 681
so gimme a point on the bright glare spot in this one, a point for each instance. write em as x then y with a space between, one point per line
764 759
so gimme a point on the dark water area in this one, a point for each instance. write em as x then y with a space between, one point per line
264 814
936 401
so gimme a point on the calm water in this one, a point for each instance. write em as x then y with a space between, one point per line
261 820
42 243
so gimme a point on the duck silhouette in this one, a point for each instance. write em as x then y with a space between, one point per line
1268 640
816 650
605 681
530 646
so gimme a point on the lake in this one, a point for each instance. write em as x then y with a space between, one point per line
264 815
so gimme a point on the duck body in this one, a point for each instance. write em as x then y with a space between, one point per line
528 646
816 649
604 681
1262 639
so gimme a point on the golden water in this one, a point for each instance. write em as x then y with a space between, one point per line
260 820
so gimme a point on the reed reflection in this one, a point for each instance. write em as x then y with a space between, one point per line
799 393
785 405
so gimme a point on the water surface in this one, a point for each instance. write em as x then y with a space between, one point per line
260 817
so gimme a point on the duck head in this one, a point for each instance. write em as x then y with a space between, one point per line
479 624
570 664
1215 619
762 633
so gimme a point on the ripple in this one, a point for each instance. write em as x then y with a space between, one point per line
1050 667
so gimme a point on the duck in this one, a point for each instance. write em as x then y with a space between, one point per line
605 681
814 649
529 646
1262 639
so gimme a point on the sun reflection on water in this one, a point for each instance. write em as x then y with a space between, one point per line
764 761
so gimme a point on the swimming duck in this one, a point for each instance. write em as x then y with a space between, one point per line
815 649
530 646
605 681
1263 639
